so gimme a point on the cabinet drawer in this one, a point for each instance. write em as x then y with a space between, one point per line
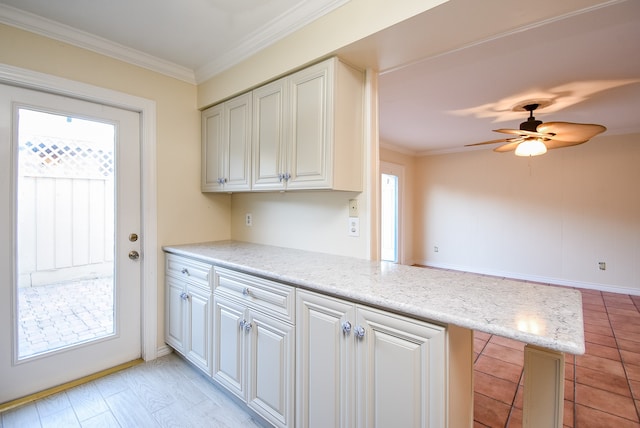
274 298
188 269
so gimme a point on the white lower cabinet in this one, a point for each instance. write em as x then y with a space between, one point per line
254 351
188 315
362 367
302 359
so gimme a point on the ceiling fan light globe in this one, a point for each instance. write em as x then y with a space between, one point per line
531 148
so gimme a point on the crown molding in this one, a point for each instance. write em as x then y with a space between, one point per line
278 28
398 149
64 33
429 152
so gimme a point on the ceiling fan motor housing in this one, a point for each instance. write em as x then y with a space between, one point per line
531 124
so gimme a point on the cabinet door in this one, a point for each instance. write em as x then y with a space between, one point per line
311 98
271 369
175 306
269 136
229 367
238 139
324 362
198 330
213 149
400 371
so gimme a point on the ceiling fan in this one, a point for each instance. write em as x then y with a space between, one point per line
535 138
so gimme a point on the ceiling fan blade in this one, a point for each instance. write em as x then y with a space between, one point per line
523 133
556 144
507 147
502 140
571 132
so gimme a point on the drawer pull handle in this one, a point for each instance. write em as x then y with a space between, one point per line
246 291
185 271
245 325
346 327
359 332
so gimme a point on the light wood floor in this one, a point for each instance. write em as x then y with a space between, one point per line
162 393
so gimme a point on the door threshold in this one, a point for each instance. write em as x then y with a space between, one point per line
65 386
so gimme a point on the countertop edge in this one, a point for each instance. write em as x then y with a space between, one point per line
572 347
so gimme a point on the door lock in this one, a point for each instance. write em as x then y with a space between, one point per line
133 237
134 255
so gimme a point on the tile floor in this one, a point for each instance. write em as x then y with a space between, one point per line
602 387
167 392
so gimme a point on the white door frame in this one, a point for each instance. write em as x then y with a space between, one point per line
29 79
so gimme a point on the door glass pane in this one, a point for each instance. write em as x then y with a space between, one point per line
65 231
389 218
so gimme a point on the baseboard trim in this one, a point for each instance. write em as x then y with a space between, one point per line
534 278
164 350
65 386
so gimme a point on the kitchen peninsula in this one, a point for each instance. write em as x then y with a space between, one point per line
418 321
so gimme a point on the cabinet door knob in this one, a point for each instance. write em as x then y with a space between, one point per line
247 326
359 332
184 296
346 327
185 271
246 291
243 323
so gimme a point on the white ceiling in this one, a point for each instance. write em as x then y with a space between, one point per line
188 39
587 64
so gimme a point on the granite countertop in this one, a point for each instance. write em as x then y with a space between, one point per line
549 317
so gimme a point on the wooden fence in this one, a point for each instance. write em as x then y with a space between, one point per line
65 229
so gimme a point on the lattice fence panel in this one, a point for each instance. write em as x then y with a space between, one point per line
50 157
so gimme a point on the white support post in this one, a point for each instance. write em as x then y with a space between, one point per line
543 388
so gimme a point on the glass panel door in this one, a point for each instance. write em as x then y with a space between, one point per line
65 233
70 268
389 218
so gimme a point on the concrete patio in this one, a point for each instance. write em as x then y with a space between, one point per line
58 315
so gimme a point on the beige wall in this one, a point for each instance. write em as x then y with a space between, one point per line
184 213
551 218
312 220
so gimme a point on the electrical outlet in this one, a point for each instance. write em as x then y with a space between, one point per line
602 265
248 220
354 226
436 249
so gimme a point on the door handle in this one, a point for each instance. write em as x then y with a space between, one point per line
134 255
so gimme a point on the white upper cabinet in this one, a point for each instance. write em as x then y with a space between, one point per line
212 148
326 127
306 132
226 146
269 138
